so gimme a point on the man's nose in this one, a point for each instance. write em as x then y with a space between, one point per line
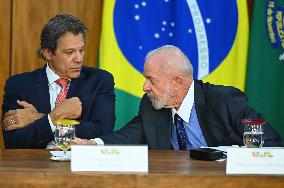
146 86
79 57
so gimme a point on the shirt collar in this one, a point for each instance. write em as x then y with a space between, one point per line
185 108
51 76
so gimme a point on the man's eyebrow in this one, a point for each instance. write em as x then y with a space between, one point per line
82 47
68 49
147 76
150 77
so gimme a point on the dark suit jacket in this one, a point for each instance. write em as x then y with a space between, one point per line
219 110
94 87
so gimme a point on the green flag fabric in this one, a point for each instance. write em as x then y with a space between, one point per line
266 62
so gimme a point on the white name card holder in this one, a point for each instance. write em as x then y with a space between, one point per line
109 158
261 161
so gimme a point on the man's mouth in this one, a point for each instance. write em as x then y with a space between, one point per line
76 69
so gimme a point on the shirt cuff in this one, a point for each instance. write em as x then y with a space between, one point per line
98 141
50 123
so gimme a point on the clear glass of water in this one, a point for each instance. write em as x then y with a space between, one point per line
64 136
253 136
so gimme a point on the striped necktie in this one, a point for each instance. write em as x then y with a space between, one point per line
63 83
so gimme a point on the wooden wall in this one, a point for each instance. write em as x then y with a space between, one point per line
21 23
5 20
29 16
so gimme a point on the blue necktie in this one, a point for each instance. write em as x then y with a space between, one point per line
181 134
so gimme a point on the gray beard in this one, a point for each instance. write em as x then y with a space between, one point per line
159 103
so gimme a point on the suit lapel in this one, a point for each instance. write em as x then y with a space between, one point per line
201 110
75 86
164 122
42 91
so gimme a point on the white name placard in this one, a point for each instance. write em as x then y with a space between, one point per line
109 158
255 161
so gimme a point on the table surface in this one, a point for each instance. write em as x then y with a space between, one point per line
33 168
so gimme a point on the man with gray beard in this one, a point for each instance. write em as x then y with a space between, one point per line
180 113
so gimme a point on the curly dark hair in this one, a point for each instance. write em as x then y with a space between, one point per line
55 28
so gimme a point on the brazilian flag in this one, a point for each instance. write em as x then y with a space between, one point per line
213 34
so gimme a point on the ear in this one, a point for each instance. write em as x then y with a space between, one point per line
178 82
47 54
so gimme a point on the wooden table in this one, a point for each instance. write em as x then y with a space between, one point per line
33 168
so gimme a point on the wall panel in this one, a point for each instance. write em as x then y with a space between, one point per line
29 16
5 11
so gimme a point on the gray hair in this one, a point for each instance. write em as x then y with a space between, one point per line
182 63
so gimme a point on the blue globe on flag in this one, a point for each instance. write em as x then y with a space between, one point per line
204 30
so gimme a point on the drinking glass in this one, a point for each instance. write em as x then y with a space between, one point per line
64 134
253 136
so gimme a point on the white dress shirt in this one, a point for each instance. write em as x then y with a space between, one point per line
188 114
184 110
54 90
